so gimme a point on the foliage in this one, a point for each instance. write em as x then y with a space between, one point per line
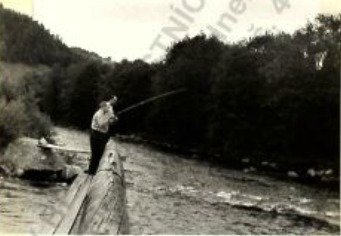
131 82
183 119
18 119
25 40
19 108
275 95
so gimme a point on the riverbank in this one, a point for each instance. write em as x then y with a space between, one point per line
298 171
305 173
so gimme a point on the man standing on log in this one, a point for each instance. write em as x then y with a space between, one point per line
99 136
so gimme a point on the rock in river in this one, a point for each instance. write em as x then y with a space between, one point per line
23 158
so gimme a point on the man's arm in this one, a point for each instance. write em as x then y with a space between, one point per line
113 117
94 121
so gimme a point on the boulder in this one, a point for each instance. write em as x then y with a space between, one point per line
311 172
23 158
292 174
265 163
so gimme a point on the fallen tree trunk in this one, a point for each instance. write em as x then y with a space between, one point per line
99 206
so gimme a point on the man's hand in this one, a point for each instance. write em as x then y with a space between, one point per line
113 119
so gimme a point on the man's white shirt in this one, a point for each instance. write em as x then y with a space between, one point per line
101 121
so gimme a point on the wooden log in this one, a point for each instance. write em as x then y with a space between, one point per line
99 206
65 224
54 221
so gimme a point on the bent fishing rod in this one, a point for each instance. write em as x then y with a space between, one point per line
149 100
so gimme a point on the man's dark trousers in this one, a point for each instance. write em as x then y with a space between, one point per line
98 141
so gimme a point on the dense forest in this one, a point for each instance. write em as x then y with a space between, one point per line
273 95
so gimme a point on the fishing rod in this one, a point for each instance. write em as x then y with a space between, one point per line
149 100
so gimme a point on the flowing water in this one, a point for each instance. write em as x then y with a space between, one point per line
24 205
167 194
171 195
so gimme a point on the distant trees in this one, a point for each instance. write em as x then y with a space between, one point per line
236 123
77 90
24 40
131 82
183 119
274 95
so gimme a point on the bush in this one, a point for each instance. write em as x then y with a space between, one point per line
19 111
17 119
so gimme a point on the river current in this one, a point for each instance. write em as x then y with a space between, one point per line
168 194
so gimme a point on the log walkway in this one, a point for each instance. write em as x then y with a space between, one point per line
96 204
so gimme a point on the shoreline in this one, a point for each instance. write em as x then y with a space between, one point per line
263 167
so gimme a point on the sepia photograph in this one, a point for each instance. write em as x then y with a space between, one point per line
170 117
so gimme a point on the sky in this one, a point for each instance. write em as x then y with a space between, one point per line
132 29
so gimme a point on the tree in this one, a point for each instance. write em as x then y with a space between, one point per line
182 119
80 94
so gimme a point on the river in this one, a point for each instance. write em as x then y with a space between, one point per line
168 194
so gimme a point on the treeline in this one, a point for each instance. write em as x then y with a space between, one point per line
26 41
274 96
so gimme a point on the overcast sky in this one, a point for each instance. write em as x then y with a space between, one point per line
127 28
